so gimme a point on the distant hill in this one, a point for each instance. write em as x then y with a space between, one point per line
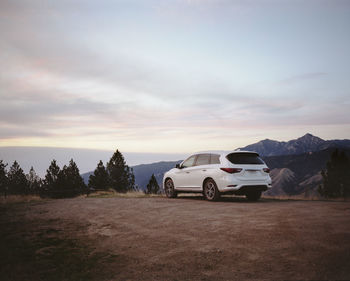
298 174
144 172
306 143
86 176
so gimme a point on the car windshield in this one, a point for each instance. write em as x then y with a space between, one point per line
244 158
189 162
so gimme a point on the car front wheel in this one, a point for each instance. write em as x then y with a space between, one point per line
170 189
210 190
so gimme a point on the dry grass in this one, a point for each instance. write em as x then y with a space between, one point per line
292 197
140 194
112 193
97 194
19 199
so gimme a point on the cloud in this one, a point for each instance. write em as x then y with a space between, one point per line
303 77
73 72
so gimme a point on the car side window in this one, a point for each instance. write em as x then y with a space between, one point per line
203 159
189 162
214 159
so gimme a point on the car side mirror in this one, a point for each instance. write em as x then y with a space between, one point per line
178 166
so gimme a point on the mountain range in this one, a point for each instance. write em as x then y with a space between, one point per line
306 143
295 165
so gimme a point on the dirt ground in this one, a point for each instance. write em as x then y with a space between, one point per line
174 239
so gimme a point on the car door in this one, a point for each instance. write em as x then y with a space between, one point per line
199 170
183 174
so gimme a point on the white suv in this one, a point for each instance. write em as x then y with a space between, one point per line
219 172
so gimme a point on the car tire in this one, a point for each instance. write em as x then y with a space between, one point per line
210 190
253 196
169 189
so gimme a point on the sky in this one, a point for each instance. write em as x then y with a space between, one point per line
172 76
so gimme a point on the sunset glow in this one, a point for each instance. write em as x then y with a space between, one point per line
172 76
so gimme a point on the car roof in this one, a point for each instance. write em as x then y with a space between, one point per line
224 152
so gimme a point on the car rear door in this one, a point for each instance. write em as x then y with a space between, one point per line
200 170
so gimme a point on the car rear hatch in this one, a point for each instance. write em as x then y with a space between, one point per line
251 164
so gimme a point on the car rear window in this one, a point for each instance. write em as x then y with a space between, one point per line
214 159
244 158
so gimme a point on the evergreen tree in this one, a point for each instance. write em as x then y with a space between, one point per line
17 181
34 181
152 186
51 181
100 178
336 178
70 182
121 176
3 178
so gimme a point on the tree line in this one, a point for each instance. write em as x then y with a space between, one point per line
67 182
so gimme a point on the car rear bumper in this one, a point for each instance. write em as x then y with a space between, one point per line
245 188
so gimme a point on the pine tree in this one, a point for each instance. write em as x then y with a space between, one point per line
100 178
152 186
70 181
17 181
121 176
336 178
34 181
51 181
3 178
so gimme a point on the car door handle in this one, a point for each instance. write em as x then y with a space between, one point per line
187 172
204 170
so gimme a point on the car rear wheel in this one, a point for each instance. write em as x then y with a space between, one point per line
170 189
210 190
253 195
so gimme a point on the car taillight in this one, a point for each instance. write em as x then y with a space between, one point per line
231 170
266 170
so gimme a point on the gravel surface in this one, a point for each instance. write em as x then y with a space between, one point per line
189 238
